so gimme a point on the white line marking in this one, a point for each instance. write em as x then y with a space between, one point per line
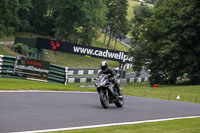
45 91
107 125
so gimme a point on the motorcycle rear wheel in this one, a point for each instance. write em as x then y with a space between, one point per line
104 100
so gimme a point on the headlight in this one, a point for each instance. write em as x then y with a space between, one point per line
102 83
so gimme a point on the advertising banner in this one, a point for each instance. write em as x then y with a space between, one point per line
31 68
108 54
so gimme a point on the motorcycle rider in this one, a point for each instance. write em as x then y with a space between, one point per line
112 76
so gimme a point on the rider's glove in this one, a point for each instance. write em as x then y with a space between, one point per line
111 79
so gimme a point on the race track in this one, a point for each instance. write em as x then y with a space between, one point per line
28 111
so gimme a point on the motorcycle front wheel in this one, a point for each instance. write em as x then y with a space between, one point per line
120 102
104 99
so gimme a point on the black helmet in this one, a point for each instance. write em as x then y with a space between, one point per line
104 65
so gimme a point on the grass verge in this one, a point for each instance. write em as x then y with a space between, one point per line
172 126
77 61
186 93
6 50
20 84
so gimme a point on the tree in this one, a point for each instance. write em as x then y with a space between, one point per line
8 16
171 41
93 21
141 15
78 21
117 24
41 18
23 14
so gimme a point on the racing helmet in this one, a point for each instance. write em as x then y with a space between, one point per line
104 65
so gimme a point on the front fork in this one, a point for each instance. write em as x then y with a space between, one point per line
110 88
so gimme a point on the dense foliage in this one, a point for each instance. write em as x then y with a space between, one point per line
77 21
117 24
8 16
167 40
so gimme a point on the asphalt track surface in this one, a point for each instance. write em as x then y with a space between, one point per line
28 111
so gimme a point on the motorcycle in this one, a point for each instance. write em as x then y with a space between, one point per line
108 92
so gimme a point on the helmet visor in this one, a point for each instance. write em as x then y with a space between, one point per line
103 67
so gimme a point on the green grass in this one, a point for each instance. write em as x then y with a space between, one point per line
187 93
20 84
99 43
75 61
131 6
172 126
5 50
21 34
130 70
7 38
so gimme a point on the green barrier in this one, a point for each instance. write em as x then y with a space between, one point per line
142 80
7 71
57 66
56 74
52 81
135 80
9 57
7 68
56 79
8 65
8 61
77 80
11 76
88 80
57 69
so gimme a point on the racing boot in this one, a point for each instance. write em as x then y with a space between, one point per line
119 91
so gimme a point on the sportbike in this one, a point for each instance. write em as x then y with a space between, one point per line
108 92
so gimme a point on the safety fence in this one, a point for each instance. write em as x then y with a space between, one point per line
83 71
89 79
58 74
91 71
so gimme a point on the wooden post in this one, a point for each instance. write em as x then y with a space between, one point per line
145 92
196 99
169 96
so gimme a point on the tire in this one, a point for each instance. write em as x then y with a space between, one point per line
104 100
120 102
